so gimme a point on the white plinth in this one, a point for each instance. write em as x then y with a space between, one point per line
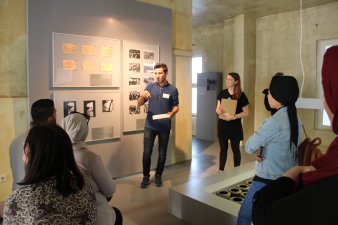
196 203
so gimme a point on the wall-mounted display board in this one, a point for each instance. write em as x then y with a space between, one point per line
83 61
102 107
138 63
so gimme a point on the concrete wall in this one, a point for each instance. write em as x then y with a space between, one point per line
278 39
277 50
13 85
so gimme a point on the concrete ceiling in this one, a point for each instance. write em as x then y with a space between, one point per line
208 12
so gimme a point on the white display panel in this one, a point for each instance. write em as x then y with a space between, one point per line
138 62
102 107
83 61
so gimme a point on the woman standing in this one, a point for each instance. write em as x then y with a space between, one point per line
307 194
230 126
275 142
53 190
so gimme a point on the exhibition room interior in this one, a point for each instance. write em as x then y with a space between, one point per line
201 41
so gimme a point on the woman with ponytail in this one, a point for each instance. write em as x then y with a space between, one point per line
307 194
275 142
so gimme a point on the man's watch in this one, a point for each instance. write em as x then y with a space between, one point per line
234 117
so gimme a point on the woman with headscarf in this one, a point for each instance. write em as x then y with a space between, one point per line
76 125
275 142
307 194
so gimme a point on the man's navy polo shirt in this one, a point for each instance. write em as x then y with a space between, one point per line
162 101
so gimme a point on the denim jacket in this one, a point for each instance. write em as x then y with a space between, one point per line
274 136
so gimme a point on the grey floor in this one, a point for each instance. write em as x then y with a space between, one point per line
150 206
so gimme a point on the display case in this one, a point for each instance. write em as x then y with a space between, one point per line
197 201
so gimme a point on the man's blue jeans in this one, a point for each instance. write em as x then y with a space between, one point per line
148 144
245 212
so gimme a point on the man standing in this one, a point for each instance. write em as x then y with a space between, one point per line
42 111
163 99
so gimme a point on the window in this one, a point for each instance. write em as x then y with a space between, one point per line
196 68
322 119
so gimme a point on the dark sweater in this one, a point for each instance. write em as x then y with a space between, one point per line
279 204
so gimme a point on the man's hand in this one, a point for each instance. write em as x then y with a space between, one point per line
146 94
171 114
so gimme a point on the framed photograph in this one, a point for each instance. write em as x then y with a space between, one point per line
148 68
135 67
147 80
134 95
134 109
133 81
149 55
107 105
89 108
138 69
68 107
103 108
83 61
134 53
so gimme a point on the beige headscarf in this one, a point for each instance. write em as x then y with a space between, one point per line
77 128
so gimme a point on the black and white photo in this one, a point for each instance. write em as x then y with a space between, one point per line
107 105
211 85
148 54
134 53
145 109
148 68
134 95
134 67
134 81
89 108
68 107
148 80
134 109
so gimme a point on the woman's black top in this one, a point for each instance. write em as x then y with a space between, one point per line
232 129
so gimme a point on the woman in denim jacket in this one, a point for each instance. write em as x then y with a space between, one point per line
275 142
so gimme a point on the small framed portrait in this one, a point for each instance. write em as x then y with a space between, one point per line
107 105
68 107
89 108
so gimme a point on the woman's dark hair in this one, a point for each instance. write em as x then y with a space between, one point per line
49 153
237 89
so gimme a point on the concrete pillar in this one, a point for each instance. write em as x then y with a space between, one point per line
13 82
245 59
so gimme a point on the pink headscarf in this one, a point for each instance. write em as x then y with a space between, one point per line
327 165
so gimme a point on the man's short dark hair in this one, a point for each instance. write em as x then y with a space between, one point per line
161 65
42 109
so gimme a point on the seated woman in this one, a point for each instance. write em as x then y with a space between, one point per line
307 194
53 190
76 125
276 140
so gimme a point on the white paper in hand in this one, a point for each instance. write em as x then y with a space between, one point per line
160 116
